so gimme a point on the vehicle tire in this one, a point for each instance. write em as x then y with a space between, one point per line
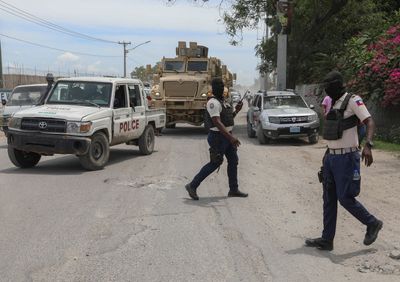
250 131
146 141
98 153
173 125
262 139
313 139
23 159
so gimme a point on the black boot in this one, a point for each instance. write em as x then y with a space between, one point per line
372 232
237 194
320 244
192 192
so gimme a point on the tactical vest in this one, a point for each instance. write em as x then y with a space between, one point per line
226 116
335 124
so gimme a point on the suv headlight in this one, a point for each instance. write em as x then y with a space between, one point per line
314 117
15 123
78 127
274 120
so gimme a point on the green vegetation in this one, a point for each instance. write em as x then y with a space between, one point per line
386 146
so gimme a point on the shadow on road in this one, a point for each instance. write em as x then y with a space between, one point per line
185 132
206 202
70 165
335 258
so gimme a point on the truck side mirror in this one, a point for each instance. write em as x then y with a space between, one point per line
3 102
312 107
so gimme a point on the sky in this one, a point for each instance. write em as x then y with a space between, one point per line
136 21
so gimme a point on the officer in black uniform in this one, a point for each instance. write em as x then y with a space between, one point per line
220 115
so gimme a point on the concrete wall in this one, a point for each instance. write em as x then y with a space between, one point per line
12 80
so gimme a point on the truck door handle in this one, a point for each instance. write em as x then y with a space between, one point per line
127 115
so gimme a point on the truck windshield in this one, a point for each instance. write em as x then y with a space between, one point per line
197 66
177 66
26 95
277 102
81 93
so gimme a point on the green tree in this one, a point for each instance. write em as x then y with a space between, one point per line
142 73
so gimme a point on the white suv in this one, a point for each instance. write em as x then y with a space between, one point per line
281 114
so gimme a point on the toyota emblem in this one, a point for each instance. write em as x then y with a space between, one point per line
293 119
42 125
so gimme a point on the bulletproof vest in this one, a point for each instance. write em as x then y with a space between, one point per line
335 124
226 116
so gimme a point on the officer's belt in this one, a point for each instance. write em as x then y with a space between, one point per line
342 151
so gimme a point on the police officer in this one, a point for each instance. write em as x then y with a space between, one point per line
341 164
222 142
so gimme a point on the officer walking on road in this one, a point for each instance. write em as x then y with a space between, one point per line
341 163
220 115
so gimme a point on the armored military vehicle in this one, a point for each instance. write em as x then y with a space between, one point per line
183 84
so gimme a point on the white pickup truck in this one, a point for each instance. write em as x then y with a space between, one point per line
85 116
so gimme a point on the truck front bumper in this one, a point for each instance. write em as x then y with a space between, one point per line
48 144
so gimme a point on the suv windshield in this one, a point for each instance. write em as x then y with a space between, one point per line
276 102
197 66
81 93
26 95
177 66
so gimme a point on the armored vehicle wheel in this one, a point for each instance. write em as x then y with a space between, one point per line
98 153
313 139
146 141
250 131
261 136
23 159
173 125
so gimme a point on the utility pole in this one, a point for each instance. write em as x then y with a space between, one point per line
124 43
284 13
1 70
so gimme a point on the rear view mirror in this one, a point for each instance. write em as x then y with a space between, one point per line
3 102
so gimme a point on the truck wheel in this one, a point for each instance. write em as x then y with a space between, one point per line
98 153
261 136
23 159
173 125
313 139
250 131
146 141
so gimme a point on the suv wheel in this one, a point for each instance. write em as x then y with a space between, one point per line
23 159
250 131
313 139
98 153
262 139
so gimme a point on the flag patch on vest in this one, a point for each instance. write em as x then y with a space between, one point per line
211 105
359 103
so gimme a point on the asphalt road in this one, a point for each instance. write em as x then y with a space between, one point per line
133 221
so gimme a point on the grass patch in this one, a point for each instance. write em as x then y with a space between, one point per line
386 146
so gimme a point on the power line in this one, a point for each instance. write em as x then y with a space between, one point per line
57 49
13 10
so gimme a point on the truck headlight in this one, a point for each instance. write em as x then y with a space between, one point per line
274 120
15 123
78 127
312 118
